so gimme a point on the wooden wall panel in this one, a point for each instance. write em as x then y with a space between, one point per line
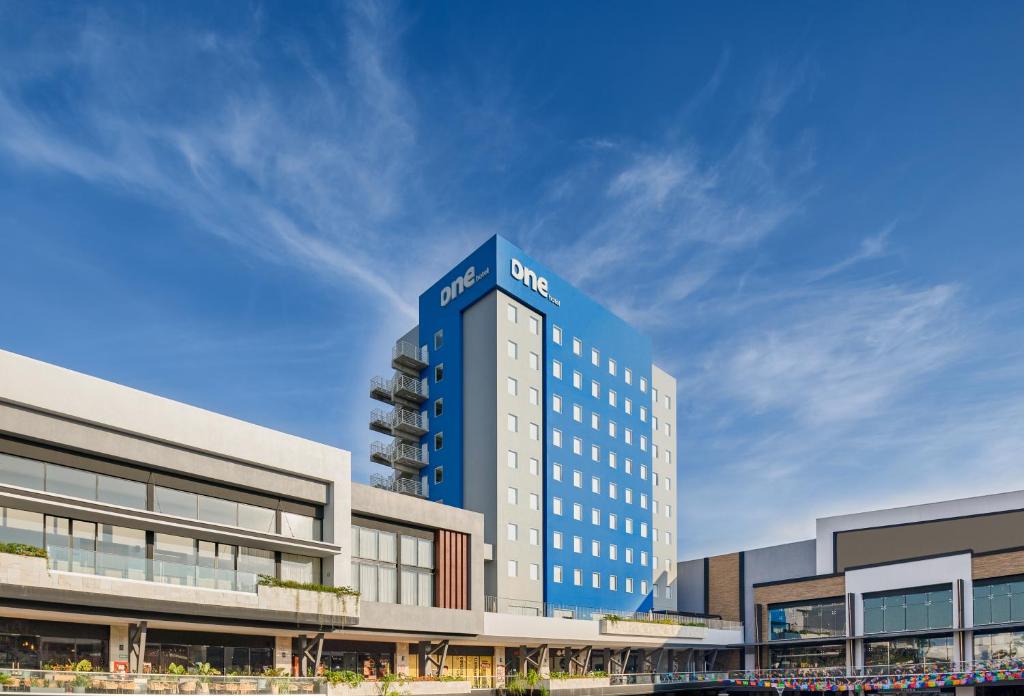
451 586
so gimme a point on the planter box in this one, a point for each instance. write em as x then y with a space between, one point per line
414 688
307 602
651 630
554 685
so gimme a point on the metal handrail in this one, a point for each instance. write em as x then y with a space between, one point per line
412 384
503 605
409 350
397 484
58 681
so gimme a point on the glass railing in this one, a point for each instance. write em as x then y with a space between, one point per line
127 567
524 607
60 682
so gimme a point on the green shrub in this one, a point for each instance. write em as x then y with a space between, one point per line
271 581
23 550
344 676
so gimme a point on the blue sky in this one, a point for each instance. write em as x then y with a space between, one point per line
813 208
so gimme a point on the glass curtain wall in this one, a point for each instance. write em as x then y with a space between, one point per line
913 610
933 651
998 601
807 656
999 646
819 619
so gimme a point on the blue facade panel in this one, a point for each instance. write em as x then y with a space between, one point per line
492 267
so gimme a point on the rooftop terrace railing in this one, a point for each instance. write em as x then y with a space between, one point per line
520 607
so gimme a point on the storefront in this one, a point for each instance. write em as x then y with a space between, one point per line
227 653
371 660
45 644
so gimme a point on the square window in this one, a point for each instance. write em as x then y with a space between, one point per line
628 436
595 453
556 403
534 396
629 525
643 530
577 379
613 398
556 540
438 441
534 501
577 413
534 571
595 389
512 386
612 367
512 348
577 577
534 466
643 443
628 406
534 361
556 472
438 474
577 346
643 587
556 506
556 334
613 491
629 466
629 556
556 369
512 531
512 459
628 374
556 437
643 384
595 421
629 585
595 580
577 446
534 537
613 552
577 544
595 548
557 573
613 521
513 569
534 326
438 407
643 472
513 423
512 313
643 414
613 583
613 429
595 357
613 460
438 373
595 484
668 402
512 495
595 516
438 340
643 501
577 512
534 431
629 496
577 478
654 396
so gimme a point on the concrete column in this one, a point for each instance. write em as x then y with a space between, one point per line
283 653
402 659
118 645
965 691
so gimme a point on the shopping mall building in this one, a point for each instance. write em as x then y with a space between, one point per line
939 585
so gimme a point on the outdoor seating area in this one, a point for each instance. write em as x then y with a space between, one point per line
53 681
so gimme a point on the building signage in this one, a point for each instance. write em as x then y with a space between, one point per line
461 284
529 278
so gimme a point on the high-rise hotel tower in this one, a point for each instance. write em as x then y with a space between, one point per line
519 397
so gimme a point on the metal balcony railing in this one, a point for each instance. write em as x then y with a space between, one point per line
408 357
409 388
398 484
409 422
380 420
398 453
523 607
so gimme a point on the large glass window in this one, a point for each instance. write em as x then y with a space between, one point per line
912 610
300 526
820 619
119 491
807 656
384 561
75 482
300 568
178 503
259 519
174 559
21 527
18 471
998 601
936 651
121 552
999 646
